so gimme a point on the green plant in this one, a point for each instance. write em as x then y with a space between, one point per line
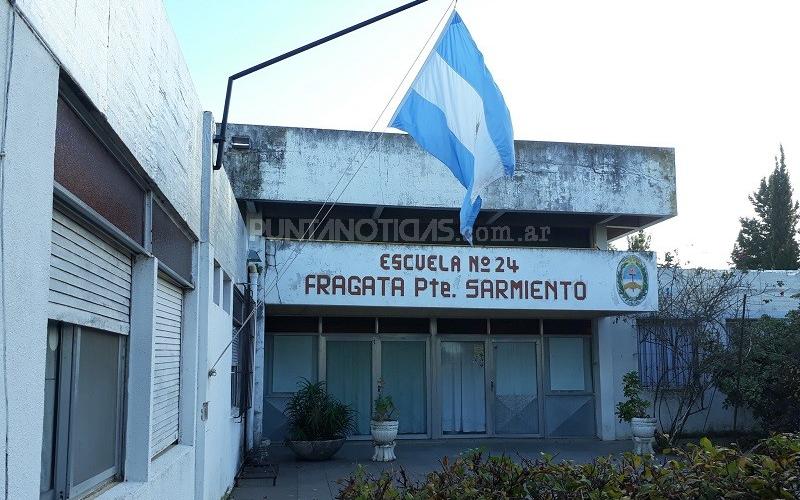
315 415
384 406
761 371
704 471
634 406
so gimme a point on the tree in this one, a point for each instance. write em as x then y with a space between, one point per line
767 241
689 333
639 242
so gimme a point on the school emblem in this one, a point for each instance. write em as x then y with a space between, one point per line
632 280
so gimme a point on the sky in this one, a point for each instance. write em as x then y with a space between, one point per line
718 81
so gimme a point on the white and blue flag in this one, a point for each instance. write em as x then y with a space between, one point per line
455 111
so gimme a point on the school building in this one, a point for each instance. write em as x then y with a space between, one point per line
157 314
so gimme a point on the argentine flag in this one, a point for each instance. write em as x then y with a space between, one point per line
455 111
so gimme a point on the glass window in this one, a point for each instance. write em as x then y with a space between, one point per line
349 377
170 244
84 166
568 370
294 359
96 414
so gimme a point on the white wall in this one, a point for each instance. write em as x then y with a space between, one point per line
24 246
222 432
126 58
224 241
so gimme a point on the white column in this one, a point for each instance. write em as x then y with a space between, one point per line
204 290
140 369
604 356
27 139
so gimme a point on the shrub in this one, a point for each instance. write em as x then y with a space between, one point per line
315 415
771 470
762 371
634 406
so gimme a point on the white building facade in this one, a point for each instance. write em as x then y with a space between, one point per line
128 265
512 337
123 263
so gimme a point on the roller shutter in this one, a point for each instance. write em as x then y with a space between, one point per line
90 277
166 365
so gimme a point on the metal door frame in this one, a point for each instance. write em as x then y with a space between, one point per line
538 346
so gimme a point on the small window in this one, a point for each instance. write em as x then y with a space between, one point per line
404 325
462 325
294 358
568 361
666 355
348 325
241 353
522 326
217 283
227 291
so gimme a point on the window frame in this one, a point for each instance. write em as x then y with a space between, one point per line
315 360
665 358
67 373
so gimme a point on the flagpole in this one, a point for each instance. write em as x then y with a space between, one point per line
219 139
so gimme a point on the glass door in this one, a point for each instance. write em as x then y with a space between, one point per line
463 387
516 387
348 366
405 379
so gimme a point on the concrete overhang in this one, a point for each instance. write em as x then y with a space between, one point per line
621 187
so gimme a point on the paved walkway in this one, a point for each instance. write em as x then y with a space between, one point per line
318 480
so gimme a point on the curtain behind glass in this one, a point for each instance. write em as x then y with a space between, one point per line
349 377
403 372
293 360
463 394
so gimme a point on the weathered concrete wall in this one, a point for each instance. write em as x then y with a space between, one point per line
29 110
297 164
126 58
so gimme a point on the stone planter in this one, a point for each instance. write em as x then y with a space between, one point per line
383 432
643 430
384 435
315 450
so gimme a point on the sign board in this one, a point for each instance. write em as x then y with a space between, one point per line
387 275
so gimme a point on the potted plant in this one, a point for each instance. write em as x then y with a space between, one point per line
383 427
318 422
633 411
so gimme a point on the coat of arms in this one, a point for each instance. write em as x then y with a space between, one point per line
632 280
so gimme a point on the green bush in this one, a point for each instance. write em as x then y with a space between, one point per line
761 370
634 406
315 415
704 471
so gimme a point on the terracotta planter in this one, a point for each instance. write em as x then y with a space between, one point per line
383 432
315 450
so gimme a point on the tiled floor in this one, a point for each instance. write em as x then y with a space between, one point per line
318 480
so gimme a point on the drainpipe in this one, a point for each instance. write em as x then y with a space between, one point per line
252 279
